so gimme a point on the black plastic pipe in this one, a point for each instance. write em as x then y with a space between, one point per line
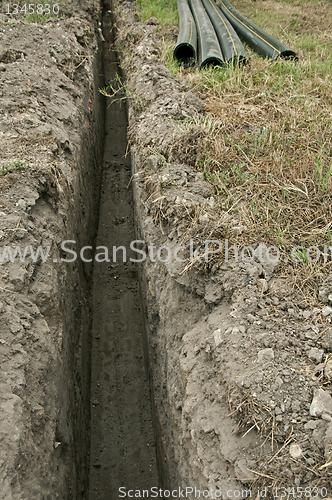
209 51
185 51
260 41
229 41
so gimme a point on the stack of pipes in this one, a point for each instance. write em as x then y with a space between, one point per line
211 30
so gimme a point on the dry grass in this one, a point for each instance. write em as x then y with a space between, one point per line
268 143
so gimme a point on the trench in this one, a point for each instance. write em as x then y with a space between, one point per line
123 451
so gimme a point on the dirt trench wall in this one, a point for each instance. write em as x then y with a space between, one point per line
196 444
52 125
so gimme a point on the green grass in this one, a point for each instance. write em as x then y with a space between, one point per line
164 10
16 166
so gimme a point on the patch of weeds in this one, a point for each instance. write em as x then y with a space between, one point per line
16 166
214 173
161 158
323 174
239 173
118 92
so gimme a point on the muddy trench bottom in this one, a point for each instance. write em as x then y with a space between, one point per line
123 451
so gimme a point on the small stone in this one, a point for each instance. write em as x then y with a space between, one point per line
213 293
21 204
326 340
295 451
296 406
265 355
250 318
316 355
262 285
154 162
329 298
153 21
321 404
239 229
328 442
326 311
311 425
320 367
2 67
204 219
212 202
217 337
323 295
328 369
191 100
307 314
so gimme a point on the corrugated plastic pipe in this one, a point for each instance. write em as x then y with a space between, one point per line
185 51
209 51
260 41
229 41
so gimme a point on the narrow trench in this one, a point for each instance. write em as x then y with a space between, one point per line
123 445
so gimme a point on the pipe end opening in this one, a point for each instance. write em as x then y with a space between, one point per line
212 61
185 55
289 54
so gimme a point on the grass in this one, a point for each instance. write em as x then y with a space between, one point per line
117 91
17 165
271 146
164 10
